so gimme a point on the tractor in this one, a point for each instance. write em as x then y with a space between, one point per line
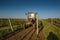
31 20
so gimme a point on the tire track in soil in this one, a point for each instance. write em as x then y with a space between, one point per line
29 35
19 35
26 34
34 36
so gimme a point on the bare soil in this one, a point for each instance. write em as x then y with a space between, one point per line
25 34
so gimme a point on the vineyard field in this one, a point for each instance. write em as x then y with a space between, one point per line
47 31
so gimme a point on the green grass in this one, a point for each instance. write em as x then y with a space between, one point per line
50 28
3 32
7 30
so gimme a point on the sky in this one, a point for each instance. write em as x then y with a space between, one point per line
18 8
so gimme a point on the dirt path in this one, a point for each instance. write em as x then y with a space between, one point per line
26 34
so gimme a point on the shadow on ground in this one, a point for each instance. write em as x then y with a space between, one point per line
52 36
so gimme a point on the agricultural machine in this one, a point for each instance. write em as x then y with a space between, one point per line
31 20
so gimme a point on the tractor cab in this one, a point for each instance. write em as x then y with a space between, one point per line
31 17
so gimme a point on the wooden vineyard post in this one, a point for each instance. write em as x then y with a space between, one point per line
38 38
37 24
10 24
